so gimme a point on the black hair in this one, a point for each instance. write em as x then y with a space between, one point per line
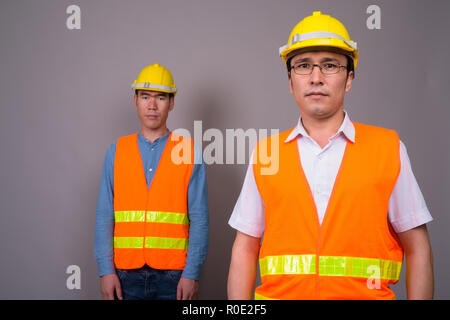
350 65
171 95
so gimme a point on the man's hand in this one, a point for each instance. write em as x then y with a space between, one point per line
187 289
110 283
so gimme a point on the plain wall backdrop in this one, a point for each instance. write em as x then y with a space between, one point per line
66 96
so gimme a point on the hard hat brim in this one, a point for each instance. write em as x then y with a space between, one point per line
318 44
154 87
293 53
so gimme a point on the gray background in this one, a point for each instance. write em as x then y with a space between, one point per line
65 97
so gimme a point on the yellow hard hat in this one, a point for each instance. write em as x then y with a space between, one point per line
156 78
320 30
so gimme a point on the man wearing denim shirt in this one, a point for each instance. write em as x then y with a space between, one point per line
156 263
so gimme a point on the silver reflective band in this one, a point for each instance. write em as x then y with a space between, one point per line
317 35
149 85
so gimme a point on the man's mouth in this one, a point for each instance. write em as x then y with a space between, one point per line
316 94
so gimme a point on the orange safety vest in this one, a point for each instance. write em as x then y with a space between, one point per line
151 224
354 254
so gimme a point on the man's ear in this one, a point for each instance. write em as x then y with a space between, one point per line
290 85
135 100
171 103
348 82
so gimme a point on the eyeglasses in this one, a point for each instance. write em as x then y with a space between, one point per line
327 68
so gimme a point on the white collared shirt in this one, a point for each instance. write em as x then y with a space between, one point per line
407 207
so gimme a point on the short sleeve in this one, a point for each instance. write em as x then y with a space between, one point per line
407 207
248 213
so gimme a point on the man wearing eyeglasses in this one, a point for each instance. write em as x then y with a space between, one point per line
344 207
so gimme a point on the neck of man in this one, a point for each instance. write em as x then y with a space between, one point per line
153 134
322 129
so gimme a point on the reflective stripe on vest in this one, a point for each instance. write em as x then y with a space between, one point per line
152 216
261 297
150 243
331 266
289 264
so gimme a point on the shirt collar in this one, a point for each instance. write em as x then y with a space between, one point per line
347 128
144 140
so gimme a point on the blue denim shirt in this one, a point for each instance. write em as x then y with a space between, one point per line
197 207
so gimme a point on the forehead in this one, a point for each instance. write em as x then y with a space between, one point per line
152 93
319 56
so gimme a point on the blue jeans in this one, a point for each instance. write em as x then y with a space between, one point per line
149 284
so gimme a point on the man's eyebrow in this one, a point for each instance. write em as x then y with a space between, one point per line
327 59
154 94
308 59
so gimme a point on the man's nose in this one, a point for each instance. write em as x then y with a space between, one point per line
151 103
316 76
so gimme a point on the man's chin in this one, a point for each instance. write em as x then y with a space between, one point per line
319 112
150 125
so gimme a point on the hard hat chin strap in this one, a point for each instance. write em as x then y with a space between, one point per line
317 35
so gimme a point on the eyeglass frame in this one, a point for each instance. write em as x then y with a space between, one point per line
320 68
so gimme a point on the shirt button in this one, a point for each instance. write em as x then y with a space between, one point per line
150 169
